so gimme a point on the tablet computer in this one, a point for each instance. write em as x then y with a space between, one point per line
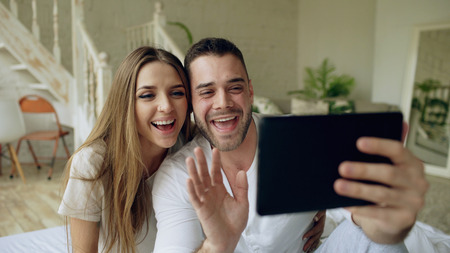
298 158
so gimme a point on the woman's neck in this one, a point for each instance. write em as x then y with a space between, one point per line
152 156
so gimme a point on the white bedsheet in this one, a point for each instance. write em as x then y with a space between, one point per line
50 240
422 238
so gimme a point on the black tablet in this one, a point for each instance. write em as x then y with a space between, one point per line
298 157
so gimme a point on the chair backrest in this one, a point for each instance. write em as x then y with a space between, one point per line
12 125
38 104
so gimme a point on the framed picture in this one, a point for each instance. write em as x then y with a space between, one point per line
426 97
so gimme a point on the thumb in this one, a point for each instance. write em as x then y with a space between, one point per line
241 191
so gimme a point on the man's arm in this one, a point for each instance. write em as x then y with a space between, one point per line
223 217
178 228
398 199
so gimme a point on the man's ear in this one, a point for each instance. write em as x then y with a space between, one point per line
250 89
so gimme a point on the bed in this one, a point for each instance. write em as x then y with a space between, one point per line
422 238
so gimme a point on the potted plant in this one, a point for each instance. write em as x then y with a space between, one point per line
324 92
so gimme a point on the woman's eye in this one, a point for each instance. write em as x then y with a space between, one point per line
178 93
147 96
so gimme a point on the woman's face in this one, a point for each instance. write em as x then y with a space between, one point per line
161 104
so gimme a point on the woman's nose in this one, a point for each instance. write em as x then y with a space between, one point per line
165 105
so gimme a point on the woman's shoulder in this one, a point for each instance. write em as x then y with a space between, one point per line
87 162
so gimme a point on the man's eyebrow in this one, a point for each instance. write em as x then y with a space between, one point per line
236 80
233 80
203 85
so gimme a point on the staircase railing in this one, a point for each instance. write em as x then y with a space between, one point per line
35 27
92 73
153 33
85 92
31 55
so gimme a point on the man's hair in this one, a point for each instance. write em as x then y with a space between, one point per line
212 46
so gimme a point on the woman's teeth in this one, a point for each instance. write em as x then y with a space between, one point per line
163 122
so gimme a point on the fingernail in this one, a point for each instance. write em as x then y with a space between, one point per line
316 219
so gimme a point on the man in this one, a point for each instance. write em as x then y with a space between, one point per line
222 216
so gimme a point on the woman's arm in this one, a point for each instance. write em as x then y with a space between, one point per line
84 235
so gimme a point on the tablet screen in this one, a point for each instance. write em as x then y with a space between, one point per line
298 157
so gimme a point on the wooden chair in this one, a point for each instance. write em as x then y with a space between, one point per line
12 127
34 104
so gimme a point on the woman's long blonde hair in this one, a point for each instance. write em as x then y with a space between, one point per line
126 195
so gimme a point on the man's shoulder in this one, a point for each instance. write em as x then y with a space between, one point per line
186 151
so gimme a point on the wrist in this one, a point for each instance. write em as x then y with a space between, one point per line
208 246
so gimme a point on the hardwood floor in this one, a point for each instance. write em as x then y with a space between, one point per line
31 206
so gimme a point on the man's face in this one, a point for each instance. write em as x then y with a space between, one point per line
222 97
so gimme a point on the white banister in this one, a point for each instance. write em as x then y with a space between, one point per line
56 49
97 74
13 8
168 43
35 25
104 80
153 33
88 43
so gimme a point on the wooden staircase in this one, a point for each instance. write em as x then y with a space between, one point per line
28 67
32 68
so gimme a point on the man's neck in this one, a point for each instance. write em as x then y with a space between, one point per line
242 157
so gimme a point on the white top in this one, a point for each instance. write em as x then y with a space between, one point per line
83 202
179 229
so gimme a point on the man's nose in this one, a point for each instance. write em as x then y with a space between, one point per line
223 100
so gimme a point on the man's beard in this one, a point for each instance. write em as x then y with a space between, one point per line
235 141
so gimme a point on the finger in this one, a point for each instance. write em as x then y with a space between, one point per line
375 172
317 229
193 174
215 167
202 168
241 190
193 197
391 149
378 194
387 218
405 130
319 215
311 244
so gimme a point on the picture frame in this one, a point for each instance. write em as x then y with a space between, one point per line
426 97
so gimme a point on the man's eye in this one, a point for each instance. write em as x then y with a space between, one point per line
236 89
206 93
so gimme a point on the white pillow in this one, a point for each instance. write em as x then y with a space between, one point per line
264 105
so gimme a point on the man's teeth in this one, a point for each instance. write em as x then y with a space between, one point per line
163 122
224 119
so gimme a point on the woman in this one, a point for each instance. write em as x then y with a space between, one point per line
107 198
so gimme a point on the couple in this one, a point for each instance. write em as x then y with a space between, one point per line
109 198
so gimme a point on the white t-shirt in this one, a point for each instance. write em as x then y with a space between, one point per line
179 229
79 201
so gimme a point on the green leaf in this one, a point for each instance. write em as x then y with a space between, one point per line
323 83
185 28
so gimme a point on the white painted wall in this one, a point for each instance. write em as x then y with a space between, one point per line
342 31
264 30
395 21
